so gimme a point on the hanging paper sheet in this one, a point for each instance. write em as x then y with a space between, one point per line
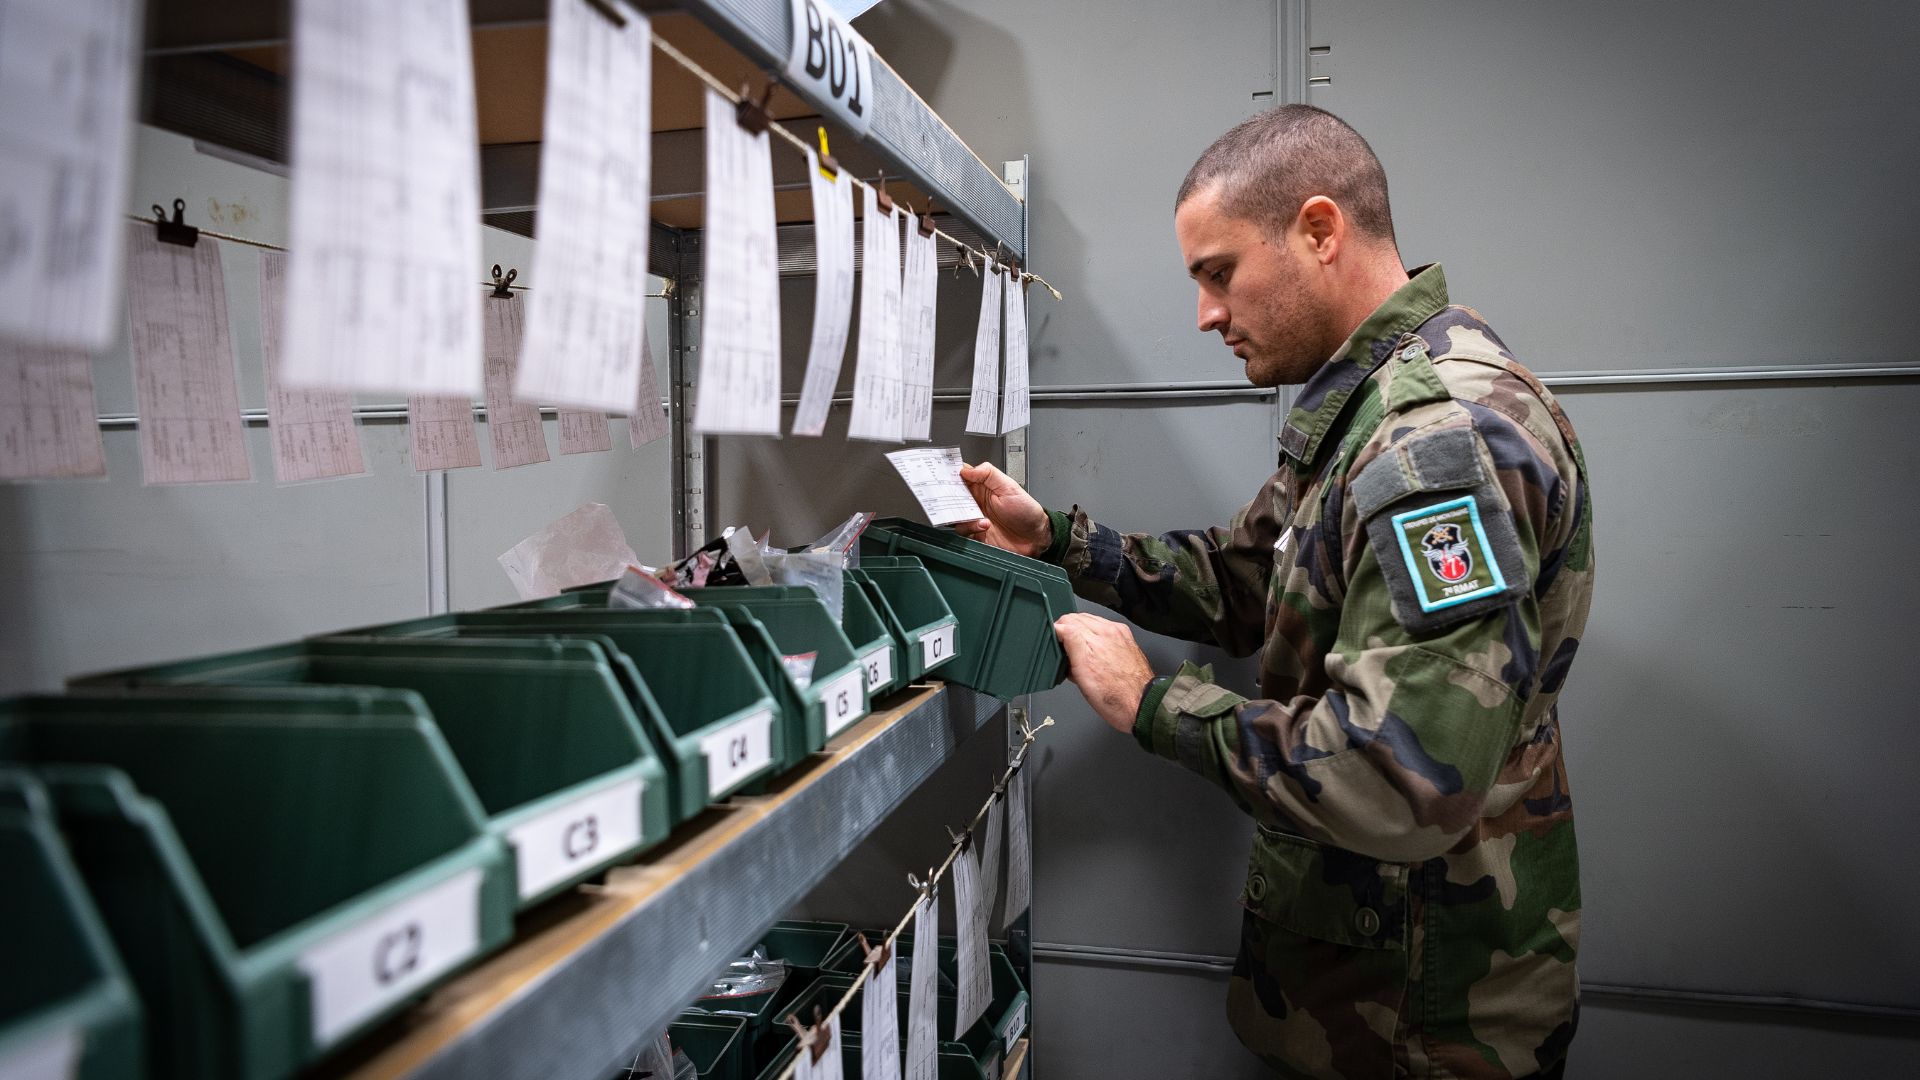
190 426
832 295
385 216
983 414
877 367
589 316
739 387
314 433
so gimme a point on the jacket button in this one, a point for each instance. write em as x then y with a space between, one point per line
1367 921
1256 888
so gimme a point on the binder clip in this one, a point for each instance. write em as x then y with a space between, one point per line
926 220
606 8
753 114
176 231
880 197
500 283
829 168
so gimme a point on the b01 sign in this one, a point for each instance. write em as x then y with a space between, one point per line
831 62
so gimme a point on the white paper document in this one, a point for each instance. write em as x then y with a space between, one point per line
314 433
68 75
991 849
190 426
48 427
586 546
877 369
923 997
385 215
1018 407
822 1062
983 414
584 431
832 295
918 293
1019 849
880 1023
970 931
739 389
588 316
648 421
513 425
441 431
933 472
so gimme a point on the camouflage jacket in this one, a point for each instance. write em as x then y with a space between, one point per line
1418 573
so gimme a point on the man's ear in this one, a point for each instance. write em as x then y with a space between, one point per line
1322 227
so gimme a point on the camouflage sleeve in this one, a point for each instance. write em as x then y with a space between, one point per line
1205 585
1442 520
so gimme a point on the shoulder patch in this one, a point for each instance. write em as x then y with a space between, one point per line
1440 529
1448 558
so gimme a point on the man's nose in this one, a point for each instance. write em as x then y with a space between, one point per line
1213 314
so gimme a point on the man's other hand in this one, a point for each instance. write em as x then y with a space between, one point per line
1104 662
1015 521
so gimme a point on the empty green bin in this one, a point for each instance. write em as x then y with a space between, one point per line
916 612
280 868
544 732
688 674
67 1008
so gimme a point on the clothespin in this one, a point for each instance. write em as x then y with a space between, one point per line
176 231
500 282
960 839
880 197
876 956
926 220
814 1039
606 8
753 115
829 168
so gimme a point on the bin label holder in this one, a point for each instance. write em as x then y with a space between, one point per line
356 973
738 751
551 847
937 645
841 698
878 664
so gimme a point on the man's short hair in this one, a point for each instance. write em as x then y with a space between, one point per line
1272 163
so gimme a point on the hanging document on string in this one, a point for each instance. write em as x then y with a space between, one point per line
877 367
739 385
587 319
385 216
983 410
832 293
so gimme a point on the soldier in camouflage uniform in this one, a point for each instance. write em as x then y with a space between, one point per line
1418 572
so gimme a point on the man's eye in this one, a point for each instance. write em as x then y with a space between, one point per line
1219 277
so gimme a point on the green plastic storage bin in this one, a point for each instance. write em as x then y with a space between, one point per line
1006 604
916 611
770 629
717 1045
67 1008
688 673
860 621
836 696
543 731
280 868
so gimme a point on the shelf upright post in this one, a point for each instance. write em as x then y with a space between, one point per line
689 447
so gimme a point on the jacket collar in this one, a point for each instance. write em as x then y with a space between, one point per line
1324 396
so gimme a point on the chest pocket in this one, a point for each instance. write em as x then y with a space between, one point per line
1326 894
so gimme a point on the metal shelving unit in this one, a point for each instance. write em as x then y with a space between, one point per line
592 975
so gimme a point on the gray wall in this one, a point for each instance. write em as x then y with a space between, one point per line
105 574
1630 187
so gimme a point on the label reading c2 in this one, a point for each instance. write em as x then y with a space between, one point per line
937 646
360 971
737 751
